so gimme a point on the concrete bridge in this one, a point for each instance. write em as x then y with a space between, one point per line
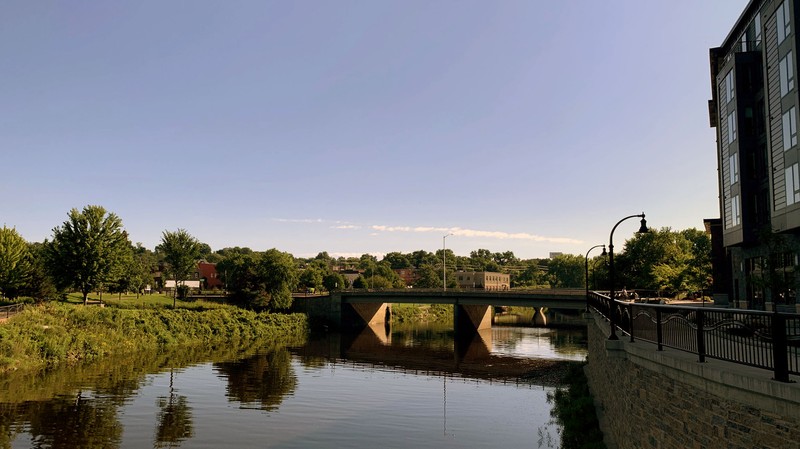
472 309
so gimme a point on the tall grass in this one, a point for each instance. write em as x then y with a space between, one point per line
53 334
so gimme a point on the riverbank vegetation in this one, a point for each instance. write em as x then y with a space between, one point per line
573 408
422 313
56 334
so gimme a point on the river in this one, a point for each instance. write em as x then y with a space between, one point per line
408 386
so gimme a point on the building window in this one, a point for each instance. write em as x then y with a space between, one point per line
793 184
733 165
729 90
789 129
731 126
787 74
782 17
757 26
736 211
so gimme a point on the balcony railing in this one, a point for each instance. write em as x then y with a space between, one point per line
768 340
740 47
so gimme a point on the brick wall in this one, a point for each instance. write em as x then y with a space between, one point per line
663 400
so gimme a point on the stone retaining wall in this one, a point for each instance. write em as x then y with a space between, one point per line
666 399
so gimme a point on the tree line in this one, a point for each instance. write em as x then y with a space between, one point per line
91 252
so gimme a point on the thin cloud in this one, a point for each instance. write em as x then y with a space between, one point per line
478 233
500 235
299 220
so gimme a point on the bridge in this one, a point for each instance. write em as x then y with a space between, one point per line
472 309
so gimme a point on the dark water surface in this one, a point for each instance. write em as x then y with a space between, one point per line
413 387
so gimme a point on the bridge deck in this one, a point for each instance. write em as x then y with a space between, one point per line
552 298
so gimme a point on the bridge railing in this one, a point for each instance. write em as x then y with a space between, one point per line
453 291
768 340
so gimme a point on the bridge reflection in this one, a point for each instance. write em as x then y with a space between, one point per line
453 354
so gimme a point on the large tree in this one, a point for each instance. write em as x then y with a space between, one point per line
279 275
428 276
88 250
181 252
40 285
15 263
666 260
566 271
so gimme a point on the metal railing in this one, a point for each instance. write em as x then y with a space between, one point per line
7 311
768 340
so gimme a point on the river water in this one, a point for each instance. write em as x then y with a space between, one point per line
415 387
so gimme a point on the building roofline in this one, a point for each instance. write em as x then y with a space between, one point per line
736 30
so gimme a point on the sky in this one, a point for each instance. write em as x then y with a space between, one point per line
364 126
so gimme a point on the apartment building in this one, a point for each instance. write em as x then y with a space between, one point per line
482 280
754 108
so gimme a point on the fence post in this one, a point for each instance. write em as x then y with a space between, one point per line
659 331
630 319
780 358
701 341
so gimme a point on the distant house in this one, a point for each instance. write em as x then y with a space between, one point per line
208 275
408 275
204 277
350 275
169 284
483 280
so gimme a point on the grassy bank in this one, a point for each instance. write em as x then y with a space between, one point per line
56 334
422 313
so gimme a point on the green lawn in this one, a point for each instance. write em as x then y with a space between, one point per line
131 301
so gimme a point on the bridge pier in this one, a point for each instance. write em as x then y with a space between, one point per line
365 314
539 317
471 318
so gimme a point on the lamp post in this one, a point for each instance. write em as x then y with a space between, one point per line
587 271
444 261
612 305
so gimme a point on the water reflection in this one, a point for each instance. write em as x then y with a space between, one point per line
174 417
79 406
262 380
418 384
503 353
81 420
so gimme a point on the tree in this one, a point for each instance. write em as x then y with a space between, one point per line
181 251
278 274
239 272
87 250
15 263
530 275
428 277
421 257
667 261
566 271
310 278
333 281
138 272
40 285
397 260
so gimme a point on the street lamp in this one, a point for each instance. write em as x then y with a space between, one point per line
587 270
612 305
444 261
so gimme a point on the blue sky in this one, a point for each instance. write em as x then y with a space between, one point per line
361 126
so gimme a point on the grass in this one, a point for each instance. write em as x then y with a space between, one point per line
422 313
154 301
65 333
